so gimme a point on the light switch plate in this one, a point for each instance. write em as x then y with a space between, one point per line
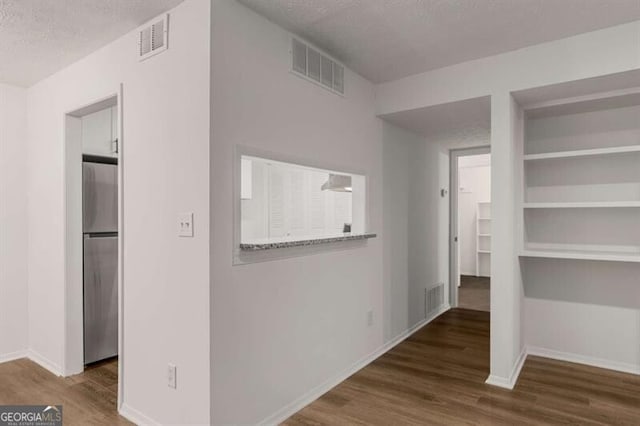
185 225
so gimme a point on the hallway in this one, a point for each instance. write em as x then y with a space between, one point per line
474 293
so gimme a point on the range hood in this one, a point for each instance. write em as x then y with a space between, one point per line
337 183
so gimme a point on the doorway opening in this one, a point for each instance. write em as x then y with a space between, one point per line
93 242
471 228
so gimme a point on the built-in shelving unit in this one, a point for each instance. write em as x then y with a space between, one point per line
483 239
581 174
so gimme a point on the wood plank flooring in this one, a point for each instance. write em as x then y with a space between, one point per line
474 293
436 377
87 399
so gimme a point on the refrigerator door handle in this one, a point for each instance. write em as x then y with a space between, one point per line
88 236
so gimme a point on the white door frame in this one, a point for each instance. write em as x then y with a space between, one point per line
454 273
73 356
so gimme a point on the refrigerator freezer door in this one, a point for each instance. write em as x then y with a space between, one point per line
100 197
100 298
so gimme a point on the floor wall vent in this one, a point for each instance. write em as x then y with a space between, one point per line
434 299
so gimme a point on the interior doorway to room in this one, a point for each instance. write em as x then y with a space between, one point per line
471 228
93 246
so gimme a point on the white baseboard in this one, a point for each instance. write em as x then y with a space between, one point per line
125 411
315 393
12 356
581 359
136 416
44 362
510 382
560 356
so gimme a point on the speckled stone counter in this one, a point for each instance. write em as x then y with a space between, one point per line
258 246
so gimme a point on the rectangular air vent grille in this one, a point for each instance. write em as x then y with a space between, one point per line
153 38
434 298
312 64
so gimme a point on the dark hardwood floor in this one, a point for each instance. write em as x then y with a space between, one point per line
436 377
87 399
474 293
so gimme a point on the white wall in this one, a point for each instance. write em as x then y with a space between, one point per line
283 327
584 311
13 222
507 342
474 178
166 171
411 222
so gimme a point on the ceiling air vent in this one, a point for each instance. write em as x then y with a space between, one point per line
153 38
317 67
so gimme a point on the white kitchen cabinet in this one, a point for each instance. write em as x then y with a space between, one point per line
99 131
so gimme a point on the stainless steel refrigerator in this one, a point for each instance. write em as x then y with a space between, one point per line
100 229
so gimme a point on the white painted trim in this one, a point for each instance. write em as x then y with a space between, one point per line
560 356
44 362
73 354
452 245
246 258
136 416
121 236
12 356
509 383
315 393
586 360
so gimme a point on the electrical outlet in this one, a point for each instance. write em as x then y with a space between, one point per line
370 318
185 225
171 376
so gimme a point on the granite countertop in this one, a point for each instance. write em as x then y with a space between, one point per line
283 243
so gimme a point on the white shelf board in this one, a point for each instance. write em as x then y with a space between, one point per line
484 235
583 152
582 255
484 251
579 205
484 218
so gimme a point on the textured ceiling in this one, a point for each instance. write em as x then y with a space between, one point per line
388 39
40 37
